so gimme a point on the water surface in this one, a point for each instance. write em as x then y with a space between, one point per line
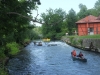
53 60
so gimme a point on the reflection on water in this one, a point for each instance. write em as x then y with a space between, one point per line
53 60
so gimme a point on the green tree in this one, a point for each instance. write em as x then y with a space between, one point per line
15 16
92 11
53 21
97 7
14 21
83 11
71 19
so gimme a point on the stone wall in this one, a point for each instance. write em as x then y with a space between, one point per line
96 42
85 43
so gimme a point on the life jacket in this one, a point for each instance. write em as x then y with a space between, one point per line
74 53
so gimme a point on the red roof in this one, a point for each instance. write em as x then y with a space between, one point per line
89 19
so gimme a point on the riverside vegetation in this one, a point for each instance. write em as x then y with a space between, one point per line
77 41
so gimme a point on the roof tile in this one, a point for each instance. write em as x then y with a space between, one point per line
89 19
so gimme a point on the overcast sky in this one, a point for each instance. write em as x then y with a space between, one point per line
66 5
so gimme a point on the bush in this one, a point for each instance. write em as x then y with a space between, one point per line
71 39
3 72
59 35
26 40
13 48
2 55
74 42
80 41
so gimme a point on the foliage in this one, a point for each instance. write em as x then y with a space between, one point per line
59 35
13 48
26 40
3 72
80 41
38 31
71 19
71 39
15 16
74 42
2 54
53 21
97 7
15 22
83 11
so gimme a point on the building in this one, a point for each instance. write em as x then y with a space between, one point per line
89 25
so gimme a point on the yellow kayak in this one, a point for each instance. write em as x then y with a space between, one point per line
46 40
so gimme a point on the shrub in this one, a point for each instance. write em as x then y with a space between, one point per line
74 42
58 35
3 72
2 55
26 40
80 41
13 48
71 39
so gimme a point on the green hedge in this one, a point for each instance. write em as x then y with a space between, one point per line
13 48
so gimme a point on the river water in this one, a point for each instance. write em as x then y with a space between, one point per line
53 60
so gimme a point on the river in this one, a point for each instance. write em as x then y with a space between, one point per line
53 60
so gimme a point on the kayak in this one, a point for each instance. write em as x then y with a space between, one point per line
78 58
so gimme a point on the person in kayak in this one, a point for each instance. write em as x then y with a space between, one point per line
80 55
74 53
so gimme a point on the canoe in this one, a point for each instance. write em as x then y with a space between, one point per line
78 58
52 44
39 45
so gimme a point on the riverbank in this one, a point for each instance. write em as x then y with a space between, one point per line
6 56
3 63
83 43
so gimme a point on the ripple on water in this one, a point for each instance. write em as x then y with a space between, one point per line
53 60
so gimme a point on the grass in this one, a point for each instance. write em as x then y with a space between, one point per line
86 37
91 36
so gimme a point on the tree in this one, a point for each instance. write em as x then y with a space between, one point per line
92 11
83 11
13 24
53 20
71 19
15 16
97 7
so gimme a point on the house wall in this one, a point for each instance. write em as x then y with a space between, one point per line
83 28
97 28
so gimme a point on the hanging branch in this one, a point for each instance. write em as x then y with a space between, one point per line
34 20
37 15
59 21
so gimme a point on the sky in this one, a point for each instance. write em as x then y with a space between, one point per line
66 5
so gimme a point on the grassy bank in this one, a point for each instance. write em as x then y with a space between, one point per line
83 37
77 41
9 51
